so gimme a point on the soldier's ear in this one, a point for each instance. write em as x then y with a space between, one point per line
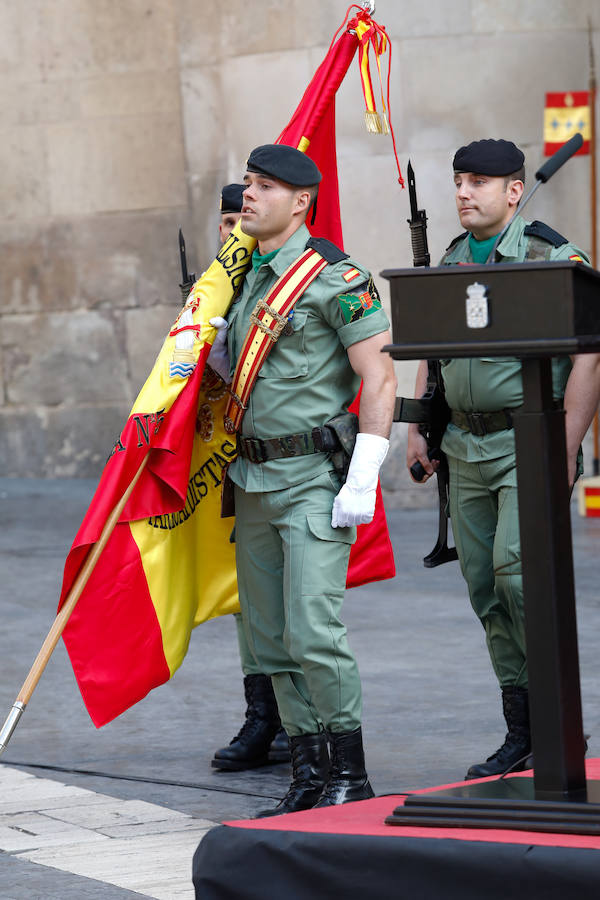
303 201
515 191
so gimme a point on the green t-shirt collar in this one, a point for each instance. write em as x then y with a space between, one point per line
480 250
258 260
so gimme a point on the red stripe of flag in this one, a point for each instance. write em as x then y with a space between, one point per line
122 632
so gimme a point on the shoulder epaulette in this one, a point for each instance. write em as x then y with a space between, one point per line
543 231
327 249
456 240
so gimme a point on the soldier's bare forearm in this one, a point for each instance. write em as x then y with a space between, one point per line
377 405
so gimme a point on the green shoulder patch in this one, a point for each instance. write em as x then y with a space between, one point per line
357 306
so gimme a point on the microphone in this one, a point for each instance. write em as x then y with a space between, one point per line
559 158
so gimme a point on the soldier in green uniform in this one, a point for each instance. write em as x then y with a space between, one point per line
479 441
295 516
261 740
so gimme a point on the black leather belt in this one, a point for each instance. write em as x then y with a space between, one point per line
260 450
481 423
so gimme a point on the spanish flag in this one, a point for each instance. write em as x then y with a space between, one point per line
168 564
588 497
565 114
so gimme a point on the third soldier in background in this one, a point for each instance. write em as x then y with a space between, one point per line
489 177
261 740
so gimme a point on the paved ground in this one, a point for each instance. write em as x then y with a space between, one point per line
117 813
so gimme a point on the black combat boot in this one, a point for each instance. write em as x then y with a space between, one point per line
512 755
348 779
249 749
279 751
310 768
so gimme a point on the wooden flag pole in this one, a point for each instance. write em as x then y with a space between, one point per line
47 648
593 210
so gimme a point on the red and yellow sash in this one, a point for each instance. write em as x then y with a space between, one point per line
267 322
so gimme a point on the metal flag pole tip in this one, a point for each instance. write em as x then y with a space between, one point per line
369 5
11 723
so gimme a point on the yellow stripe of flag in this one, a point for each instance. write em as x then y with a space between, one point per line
562 122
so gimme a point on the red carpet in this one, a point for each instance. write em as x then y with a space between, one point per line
367 818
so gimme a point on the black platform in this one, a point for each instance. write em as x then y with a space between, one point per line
348 851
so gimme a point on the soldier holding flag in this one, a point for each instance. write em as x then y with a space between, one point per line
295 516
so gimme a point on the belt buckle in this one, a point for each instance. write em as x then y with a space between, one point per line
273 333
477 424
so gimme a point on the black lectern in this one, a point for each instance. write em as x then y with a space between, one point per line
532 311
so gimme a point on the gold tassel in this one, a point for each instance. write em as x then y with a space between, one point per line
386 125
373 122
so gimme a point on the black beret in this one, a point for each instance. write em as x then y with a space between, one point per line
489 157
231 198
285 163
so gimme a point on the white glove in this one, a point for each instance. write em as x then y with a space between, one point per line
218 358
355 503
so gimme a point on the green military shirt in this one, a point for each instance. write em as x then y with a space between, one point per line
489 384
307 378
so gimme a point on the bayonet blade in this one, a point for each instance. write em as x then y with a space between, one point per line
412 193
182 257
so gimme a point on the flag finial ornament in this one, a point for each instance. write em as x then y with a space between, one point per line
371 35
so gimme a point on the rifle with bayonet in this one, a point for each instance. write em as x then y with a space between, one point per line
187 280
430 411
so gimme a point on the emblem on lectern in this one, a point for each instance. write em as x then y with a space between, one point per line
478 314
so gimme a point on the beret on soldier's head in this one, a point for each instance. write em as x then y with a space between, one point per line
285 163
231 198
489 157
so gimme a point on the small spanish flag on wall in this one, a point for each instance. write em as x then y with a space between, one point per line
564 115
588 497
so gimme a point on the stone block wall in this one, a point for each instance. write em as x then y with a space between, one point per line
120 122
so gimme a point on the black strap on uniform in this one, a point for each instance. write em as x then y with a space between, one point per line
543 231
327 249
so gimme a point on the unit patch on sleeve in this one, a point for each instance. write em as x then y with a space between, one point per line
576 258
350 275
357 306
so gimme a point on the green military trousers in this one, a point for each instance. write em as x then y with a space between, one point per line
291 567
485 523
249 664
